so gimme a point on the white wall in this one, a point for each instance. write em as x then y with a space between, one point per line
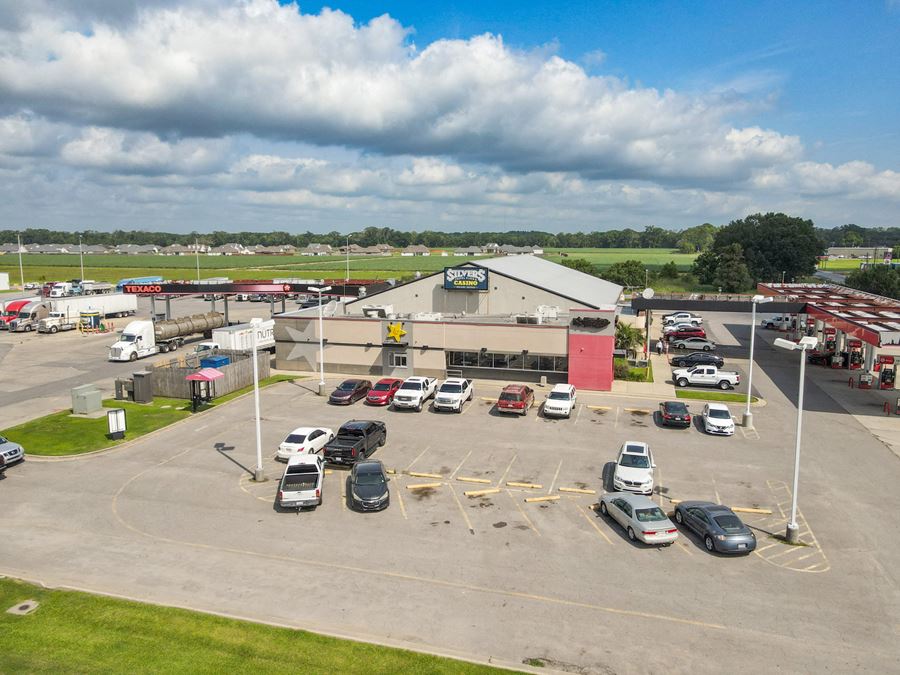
4 281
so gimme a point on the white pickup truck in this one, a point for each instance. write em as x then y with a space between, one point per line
414 392
706 376
454 391
301 484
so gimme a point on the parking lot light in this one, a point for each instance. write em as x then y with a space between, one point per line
747 422
258 475
321 340
805 344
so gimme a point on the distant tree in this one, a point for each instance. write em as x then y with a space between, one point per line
696 239
669 270
704 267
895 253
626 273
580 264
732 274
879 279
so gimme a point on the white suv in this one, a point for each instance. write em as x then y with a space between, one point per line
634 468
560 402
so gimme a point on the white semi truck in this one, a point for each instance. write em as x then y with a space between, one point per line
239 338
65 313
145 338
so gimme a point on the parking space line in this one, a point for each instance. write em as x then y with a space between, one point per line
594 525
402 505
427 447
503 477
555 476
659 492
684 547
453 475
808 555
716 490
768 546
343 493
462 510
467 408
578 414
522 512
616 423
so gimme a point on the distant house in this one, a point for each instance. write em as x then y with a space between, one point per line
468 251
385 248
416 250
9 248
229 249
372 250
136 249
281 249
317 249
48 248
177 249
490 249
509 249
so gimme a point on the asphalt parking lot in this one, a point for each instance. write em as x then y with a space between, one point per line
175 518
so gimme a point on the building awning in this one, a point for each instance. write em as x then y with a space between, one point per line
205 375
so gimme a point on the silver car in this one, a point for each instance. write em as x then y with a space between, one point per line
640 516
695 343
11 452
721 529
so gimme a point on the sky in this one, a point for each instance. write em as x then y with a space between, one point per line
196 115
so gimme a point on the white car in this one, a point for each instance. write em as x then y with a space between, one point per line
642 519
717 419
454 391
634 468
414 392
304 441
561 401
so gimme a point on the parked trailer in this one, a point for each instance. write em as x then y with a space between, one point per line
66 312
239 338
94 288
145 338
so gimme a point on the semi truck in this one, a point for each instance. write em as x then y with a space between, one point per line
65 313
145 338
239 338
62 289
29 316
11 311
89 287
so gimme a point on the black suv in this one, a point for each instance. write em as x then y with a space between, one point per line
698 359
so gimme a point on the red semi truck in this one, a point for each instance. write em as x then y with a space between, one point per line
11 312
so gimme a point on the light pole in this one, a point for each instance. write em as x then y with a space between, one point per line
792 532
21 269
81 252
756 300
782 278
321 339
258 475
347 277
197 253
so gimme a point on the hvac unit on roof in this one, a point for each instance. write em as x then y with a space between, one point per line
548 311
529 318
377 311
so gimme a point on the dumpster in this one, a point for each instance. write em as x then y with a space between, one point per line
214 361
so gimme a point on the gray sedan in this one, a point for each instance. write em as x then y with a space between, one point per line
721 529
695 343
11 452
641 518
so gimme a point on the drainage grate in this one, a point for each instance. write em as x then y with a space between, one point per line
23 608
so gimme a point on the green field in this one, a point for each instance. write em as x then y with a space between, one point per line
73 632
43 267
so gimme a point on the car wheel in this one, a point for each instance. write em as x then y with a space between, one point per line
680 346
632 535
133 357
708 542
723 385
53 329
174 347
706 348
678 517
603 509
682 382
419 407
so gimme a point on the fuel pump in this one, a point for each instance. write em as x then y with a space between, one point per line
886 371
830 341
854 354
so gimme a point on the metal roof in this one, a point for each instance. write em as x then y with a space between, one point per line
584 288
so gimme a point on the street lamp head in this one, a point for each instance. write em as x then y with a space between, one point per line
808 342
318 290
786 344
762 299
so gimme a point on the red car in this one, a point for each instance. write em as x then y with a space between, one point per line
515 398
686 333
383 391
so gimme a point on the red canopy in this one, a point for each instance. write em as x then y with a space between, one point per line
205 375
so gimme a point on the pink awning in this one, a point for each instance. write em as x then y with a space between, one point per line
205 375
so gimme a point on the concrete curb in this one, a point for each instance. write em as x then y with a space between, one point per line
392 644
126 444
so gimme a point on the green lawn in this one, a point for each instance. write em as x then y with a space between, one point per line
723 396
61 434
840 265
72 632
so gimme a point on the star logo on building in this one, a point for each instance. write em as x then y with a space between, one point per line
395 331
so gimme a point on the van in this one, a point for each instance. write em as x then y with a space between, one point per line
301 484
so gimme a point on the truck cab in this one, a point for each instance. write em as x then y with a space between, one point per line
136 341
301 484
61 290
11 312
29 316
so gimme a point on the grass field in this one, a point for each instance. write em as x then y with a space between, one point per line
43 267
73 632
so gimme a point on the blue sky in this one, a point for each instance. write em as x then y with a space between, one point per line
255 114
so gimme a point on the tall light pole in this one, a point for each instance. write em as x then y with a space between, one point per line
756 300
197 253
258 475
347 277
792 532
81 253
21 269
321 339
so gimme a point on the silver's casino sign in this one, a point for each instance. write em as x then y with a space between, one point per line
465 279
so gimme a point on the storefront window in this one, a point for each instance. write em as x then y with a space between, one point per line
546 363
501 361
397 359
531 362
506 361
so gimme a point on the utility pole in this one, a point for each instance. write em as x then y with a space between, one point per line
81 253
21 269
197 253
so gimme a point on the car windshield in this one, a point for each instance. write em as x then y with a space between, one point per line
634 461
11 312
730 524
350 385
650 515
295 438
382 386
411 385
676 408
452 388
559 395
719 414
370 478
128 338
510 397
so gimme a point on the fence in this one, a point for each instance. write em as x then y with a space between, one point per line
168 377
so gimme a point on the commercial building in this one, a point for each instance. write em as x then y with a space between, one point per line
517 318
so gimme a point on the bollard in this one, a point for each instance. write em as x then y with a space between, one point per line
887 408
850 383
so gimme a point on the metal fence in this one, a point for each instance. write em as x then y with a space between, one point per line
169 377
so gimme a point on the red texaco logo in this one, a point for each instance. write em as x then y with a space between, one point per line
286 287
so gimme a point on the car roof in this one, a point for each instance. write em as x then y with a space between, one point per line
717 406
304 430
674 404
389 380
369 464
562 387
356 424
635 448
415 378
514 388
352 380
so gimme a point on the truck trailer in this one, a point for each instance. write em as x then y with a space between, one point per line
145 338
239 338
66 313
89 287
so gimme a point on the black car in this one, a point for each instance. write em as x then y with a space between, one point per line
350 391
674 414
721 529
368 486
698 359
